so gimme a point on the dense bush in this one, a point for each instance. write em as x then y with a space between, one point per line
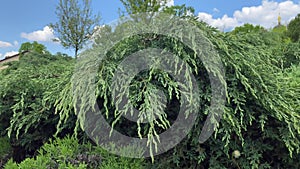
260 120
26 110
260 127
293 29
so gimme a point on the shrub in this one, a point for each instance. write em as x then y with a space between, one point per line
26 111
67 153
260 119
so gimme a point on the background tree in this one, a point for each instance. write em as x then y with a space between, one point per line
293 29
248 28
34 47
139 6
179 10
75 23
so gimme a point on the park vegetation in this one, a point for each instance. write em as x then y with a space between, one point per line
260 126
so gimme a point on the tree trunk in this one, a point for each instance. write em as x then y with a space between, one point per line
76 52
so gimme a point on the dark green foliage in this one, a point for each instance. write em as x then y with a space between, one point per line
5 150
261 118
291 55
260 127
27 100
293 29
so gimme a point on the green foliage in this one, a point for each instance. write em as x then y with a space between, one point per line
280 29
27 99
143 93
177 10
291 55
147 6
110 161
5 150
284 52
40 162
5 147
260 127
248 28
33 47
55 154
140 6
293 30
67 153
260 117
75 23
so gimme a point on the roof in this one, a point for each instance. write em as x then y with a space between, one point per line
8 59
13 56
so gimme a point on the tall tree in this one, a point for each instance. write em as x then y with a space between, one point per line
75 23
179 10
139 6
293 29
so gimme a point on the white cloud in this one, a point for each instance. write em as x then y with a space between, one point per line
1 56
170 3
216 10
223 23
16 43
167 3
265 15
5 44
10 53
41 35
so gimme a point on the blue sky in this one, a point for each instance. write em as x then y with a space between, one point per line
26 20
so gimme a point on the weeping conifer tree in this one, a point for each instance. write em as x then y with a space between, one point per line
260 125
